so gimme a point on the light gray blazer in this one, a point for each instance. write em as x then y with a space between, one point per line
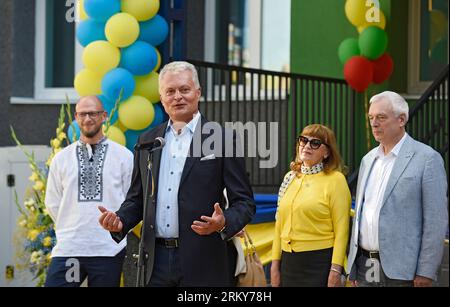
413 218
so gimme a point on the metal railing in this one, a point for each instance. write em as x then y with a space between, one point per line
428 119
234 94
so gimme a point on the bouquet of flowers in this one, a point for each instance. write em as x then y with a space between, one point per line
35 231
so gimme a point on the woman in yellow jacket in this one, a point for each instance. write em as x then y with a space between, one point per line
312 220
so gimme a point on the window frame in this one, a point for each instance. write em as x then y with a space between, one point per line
415 86
43 94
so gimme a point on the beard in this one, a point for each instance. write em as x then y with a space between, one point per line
91 133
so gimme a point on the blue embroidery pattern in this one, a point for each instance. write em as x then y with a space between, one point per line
90 173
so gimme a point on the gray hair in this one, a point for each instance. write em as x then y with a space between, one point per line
180 66
398 103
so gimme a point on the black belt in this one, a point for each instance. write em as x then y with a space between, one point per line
369 254
168 243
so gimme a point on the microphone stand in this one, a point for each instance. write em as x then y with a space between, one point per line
143 256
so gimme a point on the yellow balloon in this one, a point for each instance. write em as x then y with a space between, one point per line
115 134
158 65
80 9
122 30
101 56
119 125
148 87
136 113
88 82
355 10
381 23
141 9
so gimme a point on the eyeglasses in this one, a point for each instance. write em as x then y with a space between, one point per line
93 115
314 143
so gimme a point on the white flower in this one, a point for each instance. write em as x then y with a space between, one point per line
36 256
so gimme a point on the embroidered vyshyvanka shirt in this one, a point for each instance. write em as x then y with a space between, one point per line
80 179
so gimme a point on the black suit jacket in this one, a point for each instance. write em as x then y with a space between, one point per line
205 260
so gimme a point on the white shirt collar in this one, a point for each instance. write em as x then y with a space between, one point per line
395 151
191 125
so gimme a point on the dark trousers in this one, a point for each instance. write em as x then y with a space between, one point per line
371 274
166 268
72 271
306 269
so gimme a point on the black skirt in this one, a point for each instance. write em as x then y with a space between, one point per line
306 269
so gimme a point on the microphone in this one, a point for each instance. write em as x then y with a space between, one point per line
158 143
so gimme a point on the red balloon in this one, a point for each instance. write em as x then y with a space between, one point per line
358 72
382 68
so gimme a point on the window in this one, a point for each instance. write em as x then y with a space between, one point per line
243 33
428 42
57 53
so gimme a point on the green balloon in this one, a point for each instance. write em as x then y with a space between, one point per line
347 49
373 42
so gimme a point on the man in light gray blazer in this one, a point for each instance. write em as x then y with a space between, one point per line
401 215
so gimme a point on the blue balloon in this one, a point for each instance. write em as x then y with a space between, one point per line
140 58
154 31
116 80
73 128
89 31
159 115
101 10
108 105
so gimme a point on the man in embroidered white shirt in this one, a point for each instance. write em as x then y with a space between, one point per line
401 204
91 172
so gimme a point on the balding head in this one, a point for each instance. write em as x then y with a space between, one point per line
89 102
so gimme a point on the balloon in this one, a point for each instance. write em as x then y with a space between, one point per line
160 115
122 30
141 9
148 87
355 10
115 134
116 80
382 68
136 113
381 23
154 31
73 129
347 49
132 135
358 72
88 82
101 56
81 11
101 9
373 42
158 65
109 105
90 30
119 125
140 58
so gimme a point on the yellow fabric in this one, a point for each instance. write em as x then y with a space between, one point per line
314 214
262 237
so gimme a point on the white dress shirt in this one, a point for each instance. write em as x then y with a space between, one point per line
374 195
173 158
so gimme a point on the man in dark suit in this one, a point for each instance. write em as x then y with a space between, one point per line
186 226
